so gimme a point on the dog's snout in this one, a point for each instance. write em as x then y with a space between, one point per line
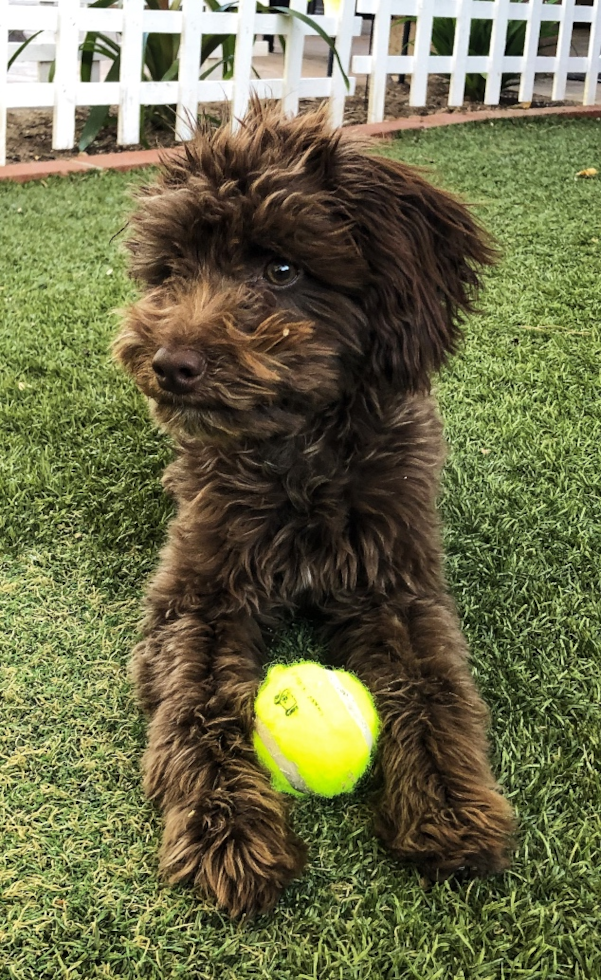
178 370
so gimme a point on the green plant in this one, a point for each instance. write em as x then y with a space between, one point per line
160 61
21 48
443 39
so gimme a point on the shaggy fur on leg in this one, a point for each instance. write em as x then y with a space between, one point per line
297 296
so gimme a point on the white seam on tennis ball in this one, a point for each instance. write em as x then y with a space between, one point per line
282 762
351 706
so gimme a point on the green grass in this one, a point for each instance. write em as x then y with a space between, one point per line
82 521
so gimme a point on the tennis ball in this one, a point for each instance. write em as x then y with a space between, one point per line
315 729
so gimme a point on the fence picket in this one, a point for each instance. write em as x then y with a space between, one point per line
498 41
345 30
531 42
189 64
130 76
379 61
293 60
3 77
594 54
421 52
564 41
243 58
65 75
460 53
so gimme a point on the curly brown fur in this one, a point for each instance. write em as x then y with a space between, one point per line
298 295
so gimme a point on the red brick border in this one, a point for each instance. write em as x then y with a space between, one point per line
38 169
130 159
390 126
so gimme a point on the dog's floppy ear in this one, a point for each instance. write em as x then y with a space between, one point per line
425 252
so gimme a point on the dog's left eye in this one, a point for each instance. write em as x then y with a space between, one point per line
280 273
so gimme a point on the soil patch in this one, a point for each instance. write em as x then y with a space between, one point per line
29 131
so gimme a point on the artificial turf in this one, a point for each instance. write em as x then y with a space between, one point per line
83 517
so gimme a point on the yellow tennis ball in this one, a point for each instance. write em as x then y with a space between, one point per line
315 729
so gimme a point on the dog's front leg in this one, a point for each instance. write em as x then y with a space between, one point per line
440 807
226 830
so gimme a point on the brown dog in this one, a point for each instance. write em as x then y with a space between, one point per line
299 294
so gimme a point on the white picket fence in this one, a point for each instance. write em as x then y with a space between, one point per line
69 20
421 62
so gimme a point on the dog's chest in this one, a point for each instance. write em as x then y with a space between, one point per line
295 515
290 531
292 524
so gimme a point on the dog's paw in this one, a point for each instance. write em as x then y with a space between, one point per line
472 839
244 863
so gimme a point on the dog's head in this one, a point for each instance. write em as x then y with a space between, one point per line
285 269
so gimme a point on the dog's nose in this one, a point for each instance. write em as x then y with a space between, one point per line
178 369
